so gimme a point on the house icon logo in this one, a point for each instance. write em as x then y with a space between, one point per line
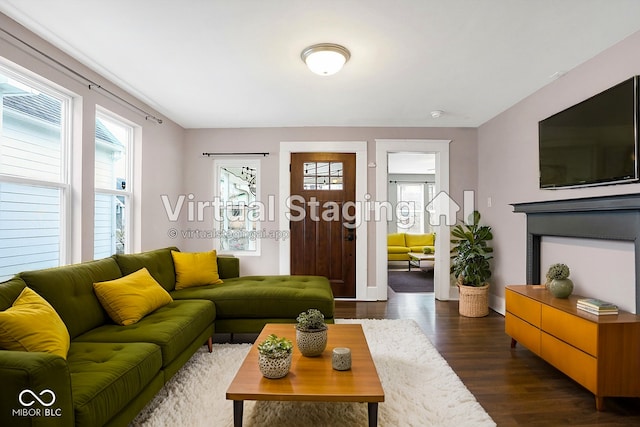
443 206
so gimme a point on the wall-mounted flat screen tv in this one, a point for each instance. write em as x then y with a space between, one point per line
594 142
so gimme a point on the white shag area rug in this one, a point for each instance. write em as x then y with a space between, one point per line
420 389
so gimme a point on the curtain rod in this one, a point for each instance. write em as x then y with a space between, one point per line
235 154
81 78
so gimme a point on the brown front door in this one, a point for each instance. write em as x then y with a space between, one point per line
323 237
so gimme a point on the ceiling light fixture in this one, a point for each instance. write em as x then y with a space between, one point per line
325 59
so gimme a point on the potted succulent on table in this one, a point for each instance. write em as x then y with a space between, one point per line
558 281
274 356
470 255
311 332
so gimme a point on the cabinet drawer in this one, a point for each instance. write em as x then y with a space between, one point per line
523 332
572 329
580 366
525 308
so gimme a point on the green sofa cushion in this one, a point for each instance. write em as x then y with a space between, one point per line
69 289
265 296
35 371
159 263
228 266
9 291
172 327
106 376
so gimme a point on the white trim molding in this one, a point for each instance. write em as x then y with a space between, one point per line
442 283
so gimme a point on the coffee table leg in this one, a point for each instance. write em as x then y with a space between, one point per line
237 413
373 414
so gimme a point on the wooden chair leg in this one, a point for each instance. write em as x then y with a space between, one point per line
210 344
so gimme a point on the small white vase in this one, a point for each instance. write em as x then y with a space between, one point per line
311 343
274 367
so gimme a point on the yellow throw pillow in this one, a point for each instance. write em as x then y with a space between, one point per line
130 298
31 324
195 269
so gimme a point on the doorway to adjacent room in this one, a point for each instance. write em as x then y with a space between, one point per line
440 150
410 236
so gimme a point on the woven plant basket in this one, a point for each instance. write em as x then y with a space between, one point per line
474 301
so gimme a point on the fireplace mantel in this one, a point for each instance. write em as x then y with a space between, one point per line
607 218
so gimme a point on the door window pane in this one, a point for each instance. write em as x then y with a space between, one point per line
323 176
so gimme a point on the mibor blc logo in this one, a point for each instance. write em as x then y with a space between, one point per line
37 404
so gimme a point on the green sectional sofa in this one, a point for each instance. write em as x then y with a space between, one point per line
111 371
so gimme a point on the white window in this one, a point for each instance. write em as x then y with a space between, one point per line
237 219
413 216
34 174
411 199
114 139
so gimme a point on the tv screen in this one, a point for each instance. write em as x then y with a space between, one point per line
592 143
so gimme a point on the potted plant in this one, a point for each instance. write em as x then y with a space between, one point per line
311 332
470 255
558 281
274 356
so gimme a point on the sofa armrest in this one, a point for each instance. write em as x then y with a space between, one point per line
228 267
35 372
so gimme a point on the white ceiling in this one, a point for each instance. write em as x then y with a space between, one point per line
223 63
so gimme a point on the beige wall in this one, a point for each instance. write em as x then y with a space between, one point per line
158 156
508 160
199 169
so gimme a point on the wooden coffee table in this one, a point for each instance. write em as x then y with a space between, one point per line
312 378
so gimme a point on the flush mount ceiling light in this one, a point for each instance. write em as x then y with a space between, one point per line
325 58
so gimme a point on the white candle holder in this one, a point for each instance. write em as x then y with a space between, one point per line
341 359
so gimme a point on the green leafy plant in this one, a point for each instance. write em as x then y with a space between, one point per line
311 320
558 271
275 347
471 253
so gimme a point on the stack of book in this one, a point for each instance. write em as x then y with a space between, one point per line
597 306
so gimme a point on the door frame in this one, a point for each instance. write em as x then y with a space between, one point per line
442 281
363 292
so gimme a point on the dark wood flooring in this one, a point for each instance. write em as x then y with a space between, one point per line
515 387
